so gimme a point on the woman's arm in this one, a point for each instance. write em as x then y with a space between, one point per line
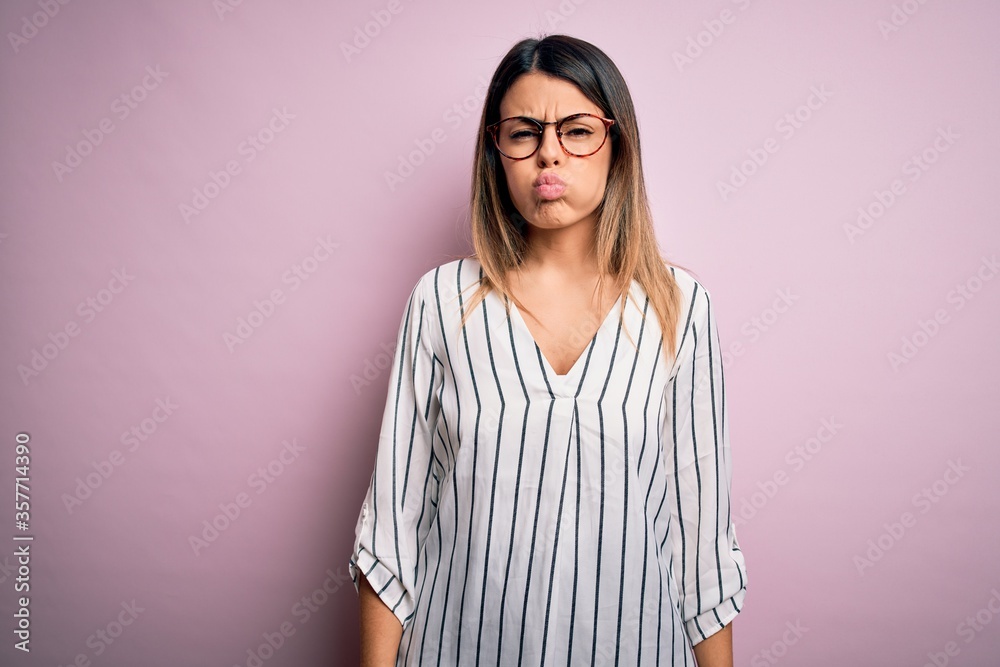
399 505
717 650
380 629
707 561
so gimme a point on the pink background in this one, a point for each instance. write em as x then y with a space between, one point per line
833 443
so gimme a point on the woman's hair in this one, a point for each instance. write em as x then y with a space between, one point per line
625 245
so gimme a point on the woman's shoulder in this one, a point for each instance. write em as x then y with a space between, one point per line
446 281
695 299
685 279
692 289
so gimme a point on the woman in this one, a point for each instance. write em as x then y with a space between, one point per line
552 479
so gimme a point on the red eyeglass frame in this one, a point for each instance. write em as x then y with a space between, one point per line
493 127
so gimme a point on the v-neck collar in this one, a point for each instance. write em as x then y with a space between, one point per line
570 380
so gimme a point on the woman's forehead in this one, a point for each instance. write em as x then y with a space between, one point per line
544 97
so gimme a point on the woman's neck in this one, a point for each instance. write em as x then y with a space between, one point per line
568 252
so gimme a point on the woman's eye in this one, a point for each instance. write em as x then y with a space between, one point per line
522 135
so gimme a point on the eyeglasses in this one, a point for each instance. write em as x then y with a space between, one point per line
580 135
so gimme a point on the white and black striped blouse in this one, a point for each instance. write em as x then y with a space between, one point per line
519 517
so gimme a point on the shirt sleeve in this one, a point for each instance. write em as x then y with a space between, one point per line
706 559
400 503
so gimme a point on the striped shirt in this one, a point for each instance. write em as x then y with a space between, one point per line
519 517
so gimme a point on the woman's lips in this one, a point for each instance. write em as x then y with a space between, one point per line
549 186
550 190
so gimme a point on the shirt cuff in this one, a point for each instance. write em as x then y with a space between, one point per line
707 623
389 588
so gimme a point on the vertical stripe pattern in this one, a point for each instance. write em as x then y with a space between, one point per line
519 517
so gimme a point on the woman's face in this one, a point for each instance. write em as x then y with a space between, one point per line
548 98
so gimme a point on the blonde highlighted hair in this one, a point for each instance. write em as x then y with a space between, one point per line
625 242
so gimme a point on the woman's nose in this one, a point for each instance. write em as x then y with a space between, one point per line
549 149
